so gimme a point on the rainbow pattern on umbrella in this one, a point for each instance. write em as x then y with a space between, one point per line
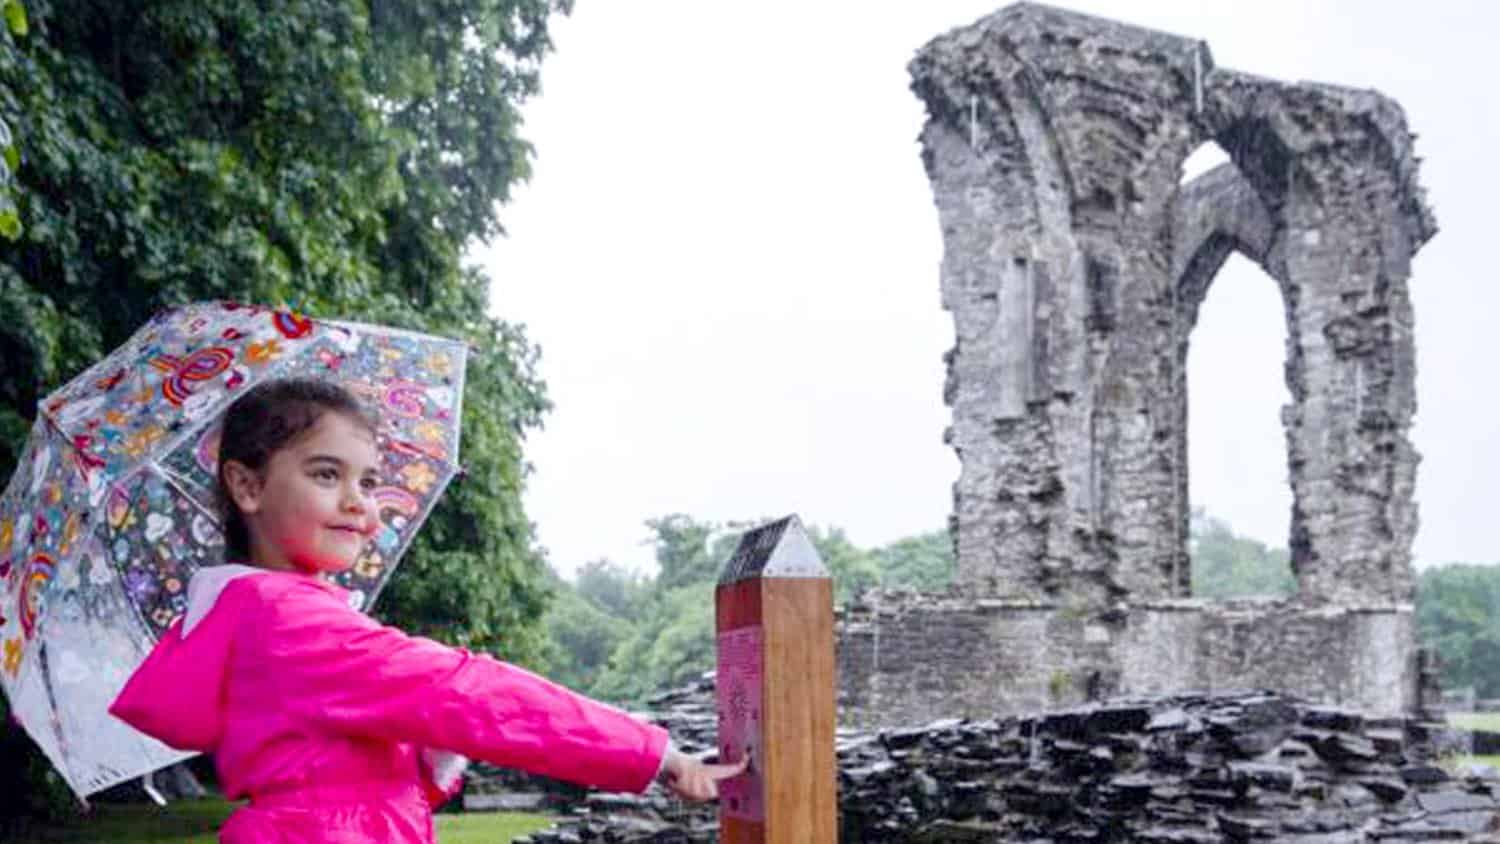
114 502
128 450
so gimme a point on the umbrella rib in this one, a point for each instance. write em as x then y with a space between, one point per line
458 400
369 329
180 484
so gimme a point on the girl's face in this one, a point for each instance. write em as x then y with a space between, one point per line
311 508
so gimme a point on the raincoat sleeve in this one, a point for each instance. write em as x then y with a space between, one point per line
343 671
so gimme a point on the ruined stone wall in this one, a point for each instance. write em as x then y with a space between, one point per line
908 659
1074 265
1184 768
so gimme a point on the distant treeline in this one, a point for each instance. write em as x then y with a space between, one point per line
624 635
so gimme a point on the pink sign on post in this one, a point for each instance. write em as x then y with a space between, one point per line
740 722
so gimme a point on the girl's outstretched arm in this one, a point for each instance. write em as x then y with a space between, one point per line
344 672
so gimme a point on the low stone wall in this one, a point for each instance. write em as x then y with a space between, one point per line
1186 768
906 658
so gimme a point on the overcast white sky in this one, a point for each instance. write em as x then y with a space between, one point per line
728 254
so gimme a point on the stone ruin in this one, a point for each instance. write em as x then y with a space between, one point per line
1069 688
1182 768
1074 265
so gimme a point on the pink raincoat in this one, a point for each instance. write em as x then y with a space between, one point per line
341 730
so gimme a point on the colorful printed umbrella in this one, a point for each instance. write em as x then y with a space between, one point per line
113 504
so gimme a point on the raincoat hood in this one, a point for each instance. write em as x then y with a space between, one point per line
177 693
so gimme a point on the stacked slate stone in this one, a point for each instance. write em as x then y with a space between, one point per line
491 789
688 713
1187 768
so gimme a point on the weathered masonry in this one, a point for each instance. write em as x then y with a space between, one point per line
1074 265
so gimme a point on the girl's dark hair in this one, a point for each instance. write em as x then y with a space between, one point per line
267 419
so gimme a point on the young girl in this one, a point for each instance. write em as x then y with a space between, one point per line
336 728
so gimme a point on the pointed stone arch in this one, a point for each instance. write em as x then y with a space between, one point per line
1074 265
1218 214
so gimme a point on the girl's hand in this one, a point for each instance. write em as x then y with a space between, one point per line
694 779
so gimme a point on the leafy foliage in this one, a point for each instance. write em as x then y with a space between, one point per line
661 628
1458 614
580 636
15 27
1226 565
854 570
672 644
684 554
622 636
924 562
612 588
666 635
335 155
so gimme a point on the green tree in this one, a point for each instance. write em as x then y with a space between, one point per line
337 155
924 562
1458 614
581 638
854 570
671 636
1226 565
684 554
662 626
15 27
673 643
612 588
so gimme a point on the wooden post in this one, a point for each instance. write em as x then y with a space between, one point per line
774 606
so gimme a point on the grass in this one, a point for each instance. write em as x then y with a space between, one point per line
197 822
487 828
1489 721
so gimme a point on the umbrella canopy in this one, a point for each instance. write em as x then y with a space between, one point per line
114 505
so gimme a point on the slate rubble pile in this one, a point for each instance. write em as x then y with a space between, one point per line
689 714
1186 768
